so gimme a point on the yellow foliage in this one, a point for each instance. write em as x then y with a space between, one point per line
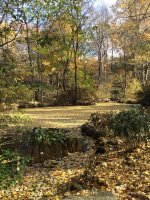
132 89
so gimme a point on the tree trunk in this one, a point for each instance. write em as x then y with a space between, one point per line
64 75
28 45
99 67
112 57
76 47
38 65
125 76
75 80
57 82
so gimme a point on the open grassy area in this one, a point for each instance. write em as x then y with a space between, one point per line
70 116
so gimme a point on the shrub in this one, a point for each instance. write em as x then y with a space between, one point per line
15 93
50 135
98 120
133 124
12 166
96 126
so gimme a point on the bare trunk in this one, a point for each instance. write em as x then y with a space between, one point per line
28 45
64 75
75 80
125 76
145 73
112 57
76 46
99 67
57 82
38 63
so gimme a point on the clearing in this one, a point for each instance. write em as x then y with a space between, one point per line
71 116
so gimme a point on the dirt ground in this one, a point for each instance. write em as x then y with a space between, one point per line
70 116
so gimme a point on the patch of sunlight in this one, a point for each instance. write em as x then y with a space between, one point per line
70 116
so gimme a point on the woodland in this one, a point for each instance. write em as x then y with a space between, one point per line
74 100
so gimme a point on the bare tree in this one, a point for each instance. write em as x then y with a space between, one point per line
100 37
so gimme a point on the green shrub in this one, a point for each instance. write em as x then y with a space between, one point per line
98 120
52 136
12 166
15 93
96 126
133 124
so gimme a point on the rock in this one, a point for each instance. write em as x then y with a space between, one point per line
99 196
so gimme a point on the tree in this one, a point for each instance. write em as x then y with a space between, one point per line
100 37
132 36
79 13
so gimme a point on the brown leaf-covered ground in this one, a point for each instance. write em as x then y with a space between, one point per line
71 116
122 170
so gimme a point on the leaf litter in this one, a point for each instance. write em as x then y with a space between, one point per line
123 170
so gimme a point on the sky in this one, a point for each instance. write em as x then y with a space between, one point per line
107 2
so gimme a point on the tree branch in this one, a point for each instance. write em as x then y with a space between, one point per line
3 44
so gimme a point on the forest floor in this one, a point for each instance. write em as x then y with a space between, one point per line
122 170
70 116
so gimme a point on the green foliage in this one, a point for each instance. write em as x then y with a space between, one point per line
49 135
96 126
11 86
133 86
85 80
133 124
14 119
27 72
12 166
14 93
86 91
98 120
